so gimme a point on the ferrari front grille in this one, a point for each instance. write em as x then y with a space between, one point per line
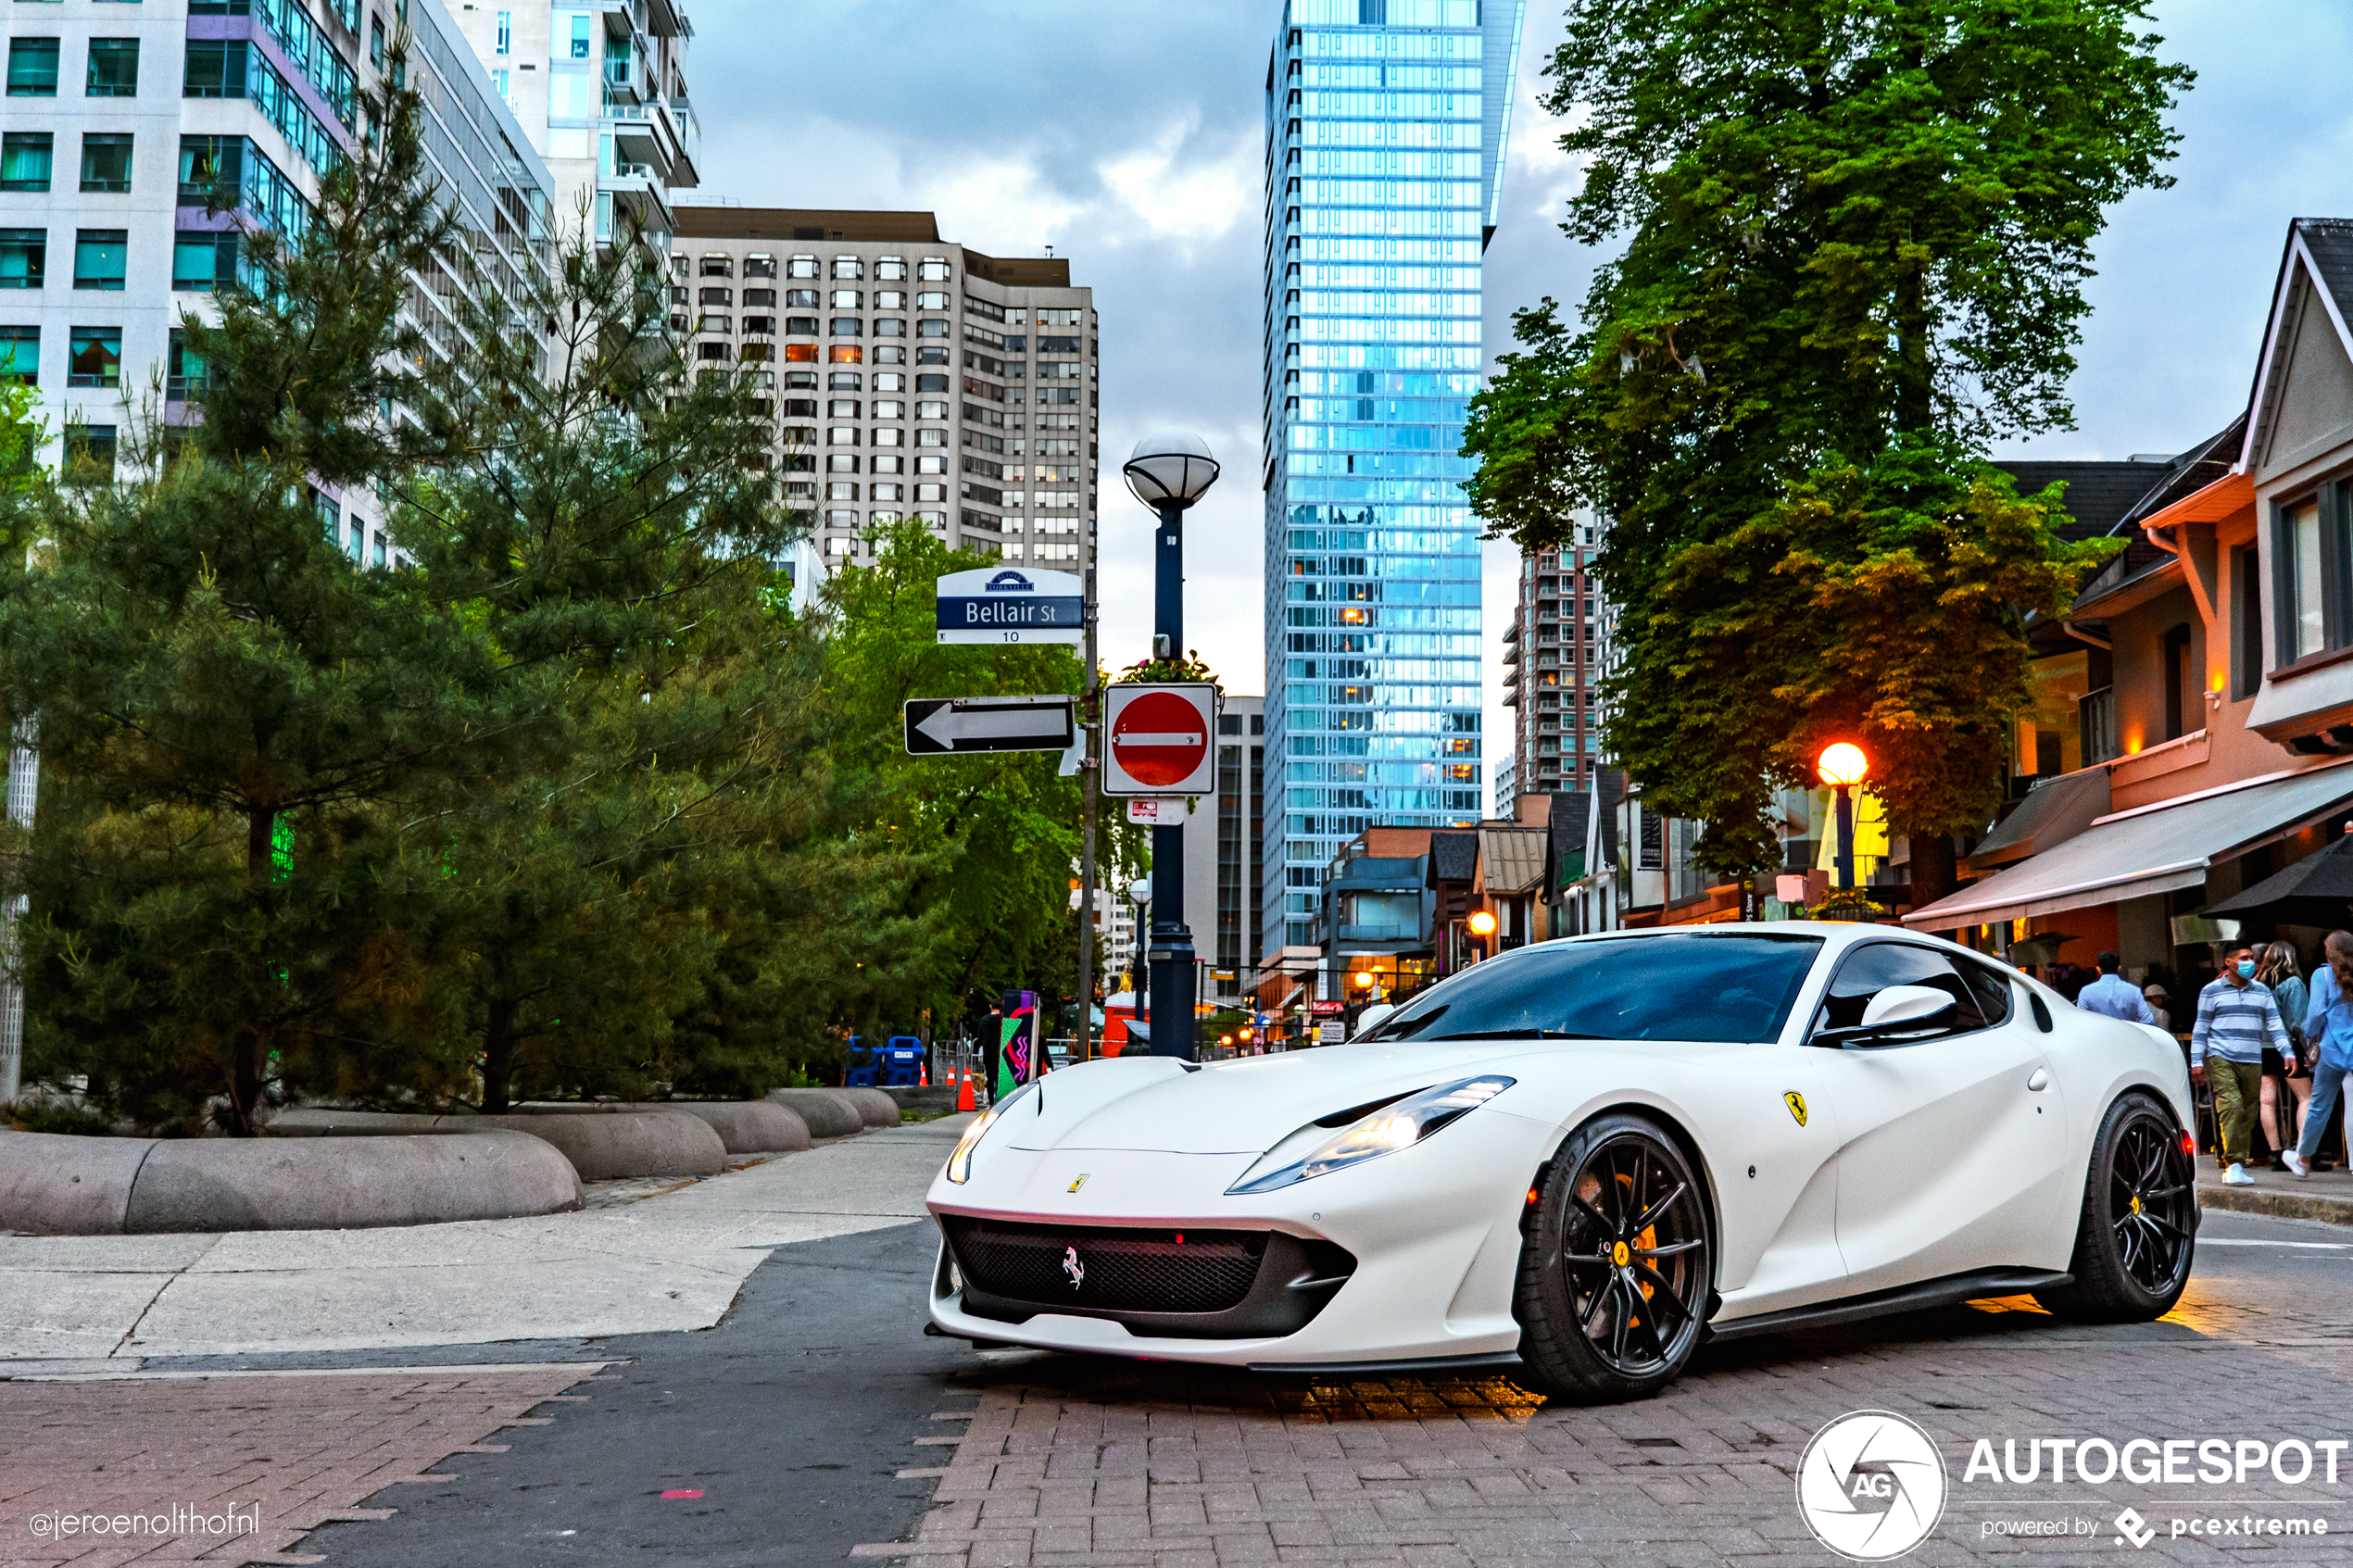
1108 1269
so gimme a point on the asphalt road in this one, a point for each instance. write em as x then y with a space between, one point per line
793 1416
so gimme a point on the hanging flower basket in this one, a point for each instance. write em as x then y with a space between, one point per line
1846 905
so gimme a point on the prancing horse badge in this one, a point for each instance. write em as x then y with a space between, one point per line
1796 1103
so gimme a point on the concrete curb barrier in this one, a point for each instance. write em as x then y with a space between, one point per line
2280 1201
745 1126
57 1185
601 1148
936 1096
874 1107
282 1184
827 1112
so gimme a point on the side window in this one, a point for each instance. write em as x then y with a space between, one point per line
1993 988
1876 966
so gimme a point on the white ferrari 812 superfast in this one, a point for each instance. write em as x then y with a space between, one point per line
1581 1158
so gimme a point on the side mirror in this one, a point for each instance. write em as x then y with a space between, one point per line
1897 1010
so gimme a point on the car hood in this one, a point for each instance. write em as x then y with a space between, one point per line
1240 1107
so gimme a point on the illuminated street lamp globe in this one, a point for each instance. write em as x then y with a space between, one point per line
1842 765
1170 469
1481 923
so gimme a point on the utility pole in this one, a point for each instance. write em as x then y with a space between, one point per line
1090 729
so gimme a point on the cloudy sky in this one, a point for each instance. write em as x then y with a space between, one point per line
1126 137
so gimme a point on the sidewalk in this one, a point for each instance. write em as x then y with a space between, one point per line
2280 1193
670 1261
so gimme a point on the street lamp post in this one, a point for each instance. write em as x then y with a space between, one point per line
1140 893
1169 470
1482 926
1842 766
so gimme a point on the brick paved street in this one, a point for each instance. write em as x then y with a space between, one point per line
283 1453
1081 1462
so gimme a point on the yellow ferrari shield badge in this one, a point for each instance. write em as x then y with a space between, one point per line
1079 1183
1796 1103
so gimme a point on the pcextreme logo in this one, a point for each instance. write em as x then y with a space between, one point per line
1870 1485
1796 1103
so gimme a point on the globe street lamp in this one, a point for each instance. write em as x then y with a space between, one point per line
1482 926
1169 470
1842 766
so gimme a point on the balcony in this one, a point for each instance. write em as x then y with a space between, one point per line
1380 932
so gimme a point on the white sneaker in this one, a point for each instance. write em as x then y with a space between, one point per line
2236 1176
2296 1162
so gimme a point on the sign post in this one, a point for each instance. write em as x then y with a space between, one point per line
1158 744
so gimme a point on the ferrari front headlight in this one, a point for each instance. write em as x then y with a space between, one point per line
1318 1147
960 1164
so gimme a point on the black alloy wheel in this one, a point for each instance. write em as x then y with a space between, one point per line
1616 1270
2138 1234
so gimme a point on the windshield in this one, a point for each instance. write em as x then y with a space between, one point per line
1709 988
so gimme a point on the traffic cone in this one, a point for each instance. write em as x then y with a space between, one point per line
964 1095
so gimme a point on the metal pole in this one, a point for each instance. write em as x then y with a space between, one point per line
1172 947
1845 837
1083 1047
24 777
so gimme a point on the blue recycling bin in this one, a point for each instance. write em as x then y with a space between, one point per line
902 1062
864 1069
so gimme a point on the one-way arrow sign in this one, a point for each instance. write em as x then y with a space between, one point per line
957 726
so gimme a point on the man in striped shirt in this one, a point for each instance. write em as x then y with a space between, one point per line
2237 1018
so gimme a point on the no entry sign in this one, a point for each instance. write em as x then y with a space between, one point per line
1159 740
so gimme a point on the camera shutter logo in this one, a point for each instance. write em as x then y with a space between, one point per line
1871 1485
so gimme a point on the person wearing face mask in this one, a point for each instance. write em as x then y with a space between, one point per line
2328 1033
2236 1019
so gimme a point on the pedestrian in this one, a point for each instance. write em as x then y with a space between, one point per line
2236 1019
2288 1078
2112 995
2328 1030
2160 1006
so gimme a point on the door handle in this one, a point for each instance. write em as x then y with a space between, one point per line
2040 1080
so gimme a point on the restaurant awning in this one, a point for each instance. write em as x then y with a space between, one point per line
2150 850
2053 812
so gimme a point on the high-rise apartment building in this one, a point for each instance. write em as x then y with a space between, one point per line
600 88
123 121
1555 651
1222 848
1386 122
912 377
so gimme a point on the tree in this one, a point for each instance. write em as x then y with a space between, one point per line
227 706
1857 233
606 523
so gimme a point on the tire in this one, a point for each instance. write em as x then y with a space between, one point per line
2138 1235
1620 1228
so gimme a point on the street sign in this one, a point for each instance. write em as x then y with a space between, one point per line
1158 739
959 726
1008 605
1150 811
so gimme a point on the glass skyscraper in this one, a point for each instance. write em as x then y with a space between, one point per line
1385 129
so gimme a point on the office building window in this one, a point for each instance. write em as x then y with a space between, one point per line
183 369
24 256
32 68
114 68
203 262
94 357
506 33
99 256
25 158
211 165
105 162
580 35
90 451
20 356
